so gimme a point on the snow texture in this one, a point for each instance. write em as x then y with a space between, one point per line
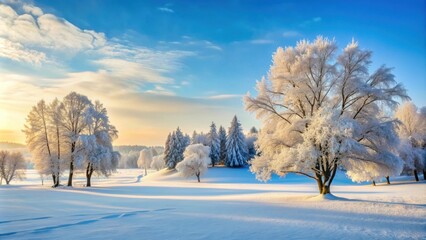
228 204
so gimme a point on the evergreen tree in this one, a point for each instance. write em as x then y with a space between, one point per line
214 144
222 145
236 146
194 138
250 140
167 149
177 144
187 140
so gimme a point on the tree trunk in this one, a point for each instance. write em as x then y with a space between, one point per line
325 189
374 183
145 171
54 180
71 173
424 174
71 165
387 180
198 176
89 172
57 181
416 175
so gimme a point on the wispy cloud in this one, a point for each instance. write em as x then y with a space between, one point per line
225 96
311 21
290 34
187 41
261 41
17 52
166 8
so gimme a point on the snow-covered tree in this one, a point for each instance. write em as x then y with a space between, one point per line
199 138
167 144
158 162
236 147
214 144
222 144
250 141
145 159
176 147
38 138
195 162
57 139
95 146
319 113
73 132
12 165
186 140
74 111
412 132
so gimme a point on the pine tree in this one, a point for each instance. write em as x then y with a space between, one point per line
250 140
236 146
214 144
222 145
194 138
175 148
168 148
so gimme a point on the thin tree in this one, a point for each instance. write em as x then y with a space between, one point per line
38 141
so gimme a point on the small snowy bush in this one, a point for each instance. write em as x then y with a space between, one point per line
158 162
195 162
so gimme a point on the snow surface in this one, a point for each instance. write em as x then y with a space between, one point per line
227 204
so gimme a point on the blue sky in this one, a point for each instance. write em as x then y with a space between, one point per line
197 57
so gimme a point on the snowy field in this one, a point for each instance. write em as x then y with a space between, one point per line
227 204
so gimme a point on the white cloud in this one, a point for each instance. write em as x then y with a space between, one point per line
46 31
131 71
17 52
289 34
225 96
166 9
36 11
187 41
311 21
159 90
261 41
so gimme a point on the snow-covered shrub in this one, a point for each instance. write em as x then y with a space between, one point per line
158 162
195 162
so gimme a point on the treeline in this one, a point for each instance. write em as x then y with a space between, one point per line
130 154
232 148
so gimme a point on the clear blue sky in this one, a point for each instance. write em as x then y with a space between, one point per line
210 52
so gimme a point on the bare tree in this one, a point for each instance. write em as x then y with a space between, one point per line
12 165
